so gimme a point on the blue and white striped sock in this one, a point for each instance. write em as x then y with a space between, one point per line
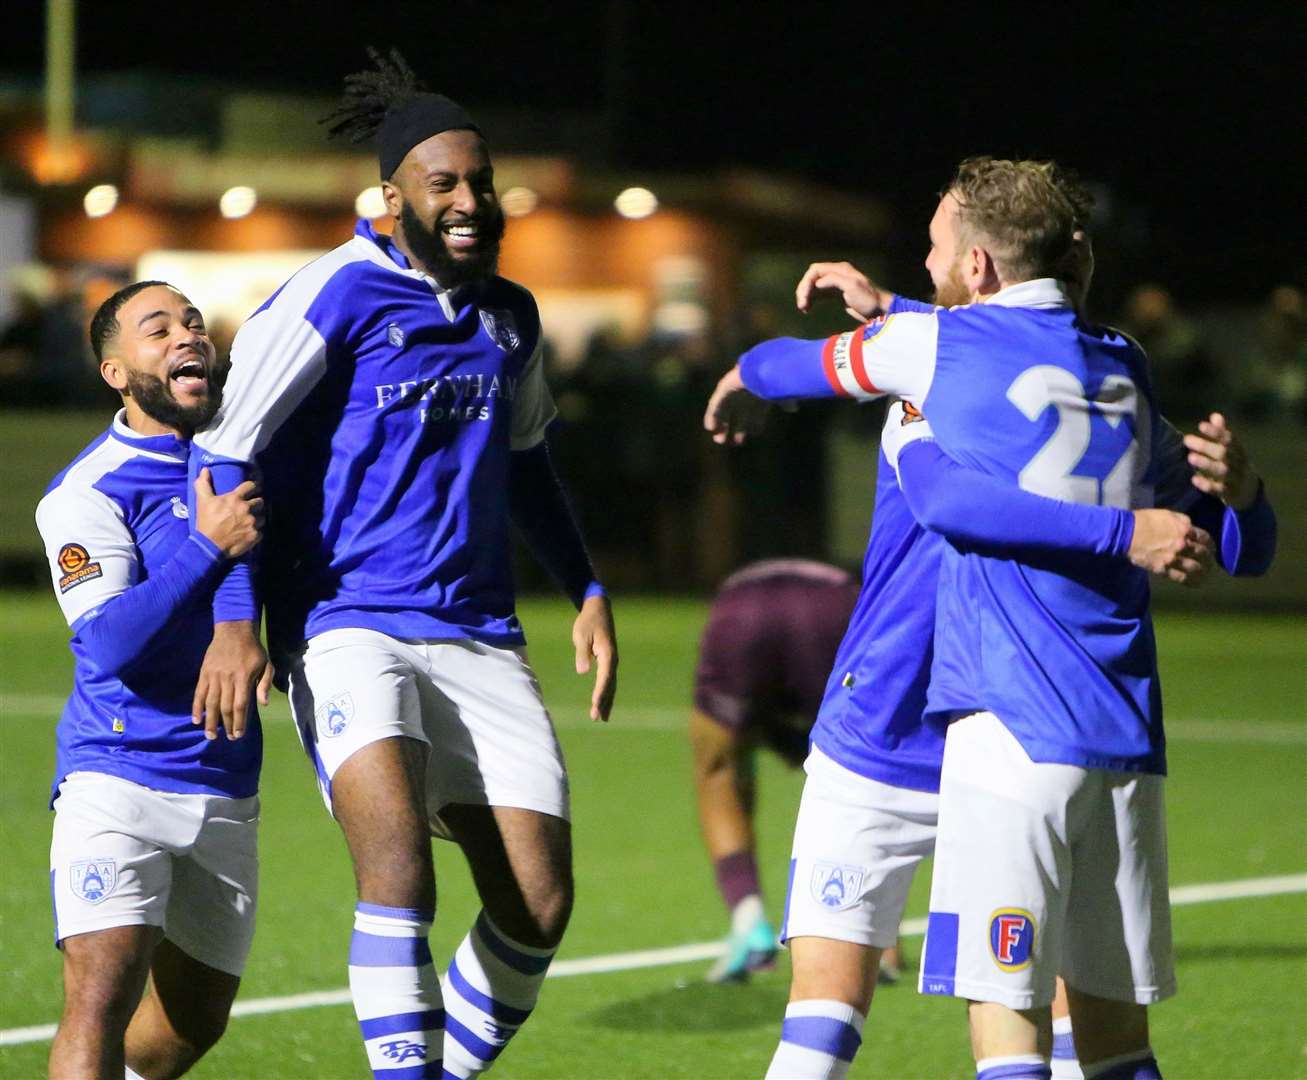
396 992
1138 1065
1016 1067
490 989
1065 1065
818 1041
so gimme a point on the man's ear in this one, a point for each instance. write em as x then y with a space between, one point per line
114 373
393 199
980 272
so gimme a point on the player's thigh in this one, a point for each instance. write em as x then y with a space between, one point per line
493 742
1002 869
111 854
521 862
211 911
827 970
104 973
351 689
191 998
1118 944
857 845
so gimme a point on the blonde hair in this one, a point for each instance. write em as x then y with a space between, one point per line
1025 212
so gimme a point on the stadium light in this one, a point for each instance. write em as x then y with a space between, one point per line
519 201
636 203
370 203
100 200
238 201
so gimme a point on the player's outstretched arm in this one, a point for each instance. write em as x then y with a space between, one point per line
863 299
973 508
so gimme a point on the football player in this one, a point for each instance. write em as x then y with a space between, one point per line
153 864
823 1023
393 393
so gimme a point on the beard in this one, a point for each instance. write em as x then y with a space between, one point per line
155 399
428 246
953 292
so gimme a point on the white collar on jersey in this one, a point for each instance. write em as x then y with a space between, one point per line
167 445
1037 293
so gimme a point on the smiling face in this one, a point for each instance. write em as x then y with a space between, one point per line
161 360
447 214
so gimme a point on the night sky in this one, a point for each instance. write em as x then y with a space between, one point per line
1193 124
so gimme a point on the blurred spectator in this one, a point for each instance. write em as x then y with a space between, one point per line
1186 379
1276 374
45 359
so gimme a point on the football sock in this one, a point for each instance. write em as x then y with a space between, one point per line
396 992
737 878
490 989
1015 1067
818 1041
1136 1065
1065 1065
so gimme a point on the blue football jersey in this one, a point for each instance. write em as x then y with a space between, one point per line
382 411
871 719
1021 388
109 522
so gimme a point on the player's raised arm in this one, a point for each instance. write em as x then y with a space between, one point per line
889 355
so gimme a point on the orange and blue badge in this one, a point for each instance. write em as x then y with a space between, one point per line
1012 938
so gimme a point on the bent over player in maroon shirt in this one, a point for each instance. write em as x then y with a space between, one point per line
766 654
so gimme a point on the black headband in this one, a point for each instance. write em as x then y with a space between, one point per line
415 121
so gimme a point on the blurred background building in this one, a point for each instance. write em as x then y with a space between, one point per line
650 281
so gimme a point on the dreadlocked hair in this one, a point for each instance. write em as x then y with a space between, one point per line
370 94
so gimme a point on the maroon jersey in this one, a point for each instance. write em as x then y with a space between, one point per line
768 649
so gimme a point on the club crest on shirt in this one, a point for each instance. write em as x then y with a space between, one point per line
395 335
93 879
1012 938
335 715
836 886
179 508
502 328
75 561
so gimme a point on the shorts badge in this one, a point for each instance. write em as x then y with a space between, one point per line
836 887
502 328
395 335
93 879
1012 938
75 561
335 715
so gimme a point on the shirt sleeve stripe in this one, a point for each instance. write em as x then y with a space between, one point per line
858 365
828 365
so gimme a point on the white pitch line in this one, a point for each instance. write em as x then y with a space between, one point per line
1181 896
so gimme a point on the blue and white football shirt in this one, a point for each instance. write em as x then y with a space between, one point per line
111 521
382 411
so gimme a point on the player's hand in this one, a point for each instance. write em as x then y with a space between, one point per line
1220 463
234 521
733 414
863 298
595 637
1169 544
234 662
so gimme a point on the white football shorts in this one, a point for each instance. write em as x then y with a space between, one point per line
478 707
857 844
1042 870
127 855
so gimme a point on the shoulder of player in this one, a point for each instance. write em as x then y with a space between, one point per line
329 282
502 293
80 487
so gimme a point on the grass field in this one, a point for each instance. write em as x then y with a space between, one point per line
1236 688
